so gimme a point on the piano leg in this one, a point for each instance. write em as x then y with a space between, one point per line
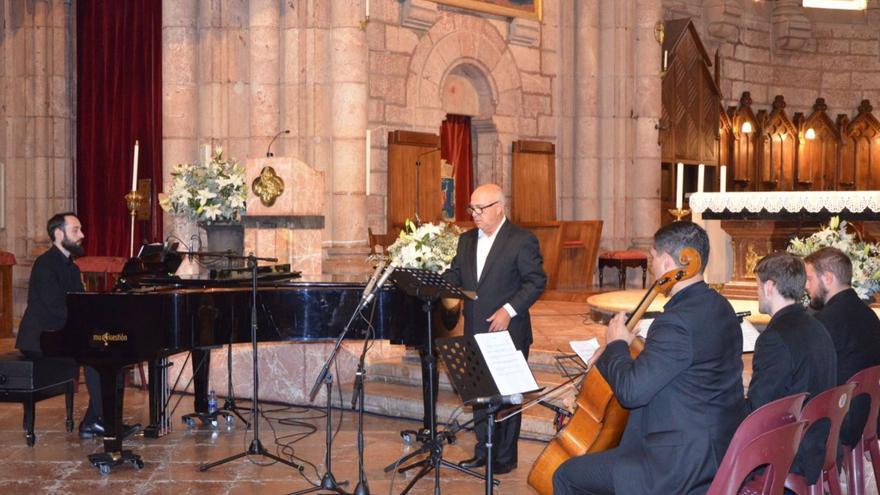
160 423
112 394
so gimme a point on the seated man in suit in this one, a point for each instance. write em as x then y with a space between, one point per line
793 354
502 263
684 391
53 275
853 326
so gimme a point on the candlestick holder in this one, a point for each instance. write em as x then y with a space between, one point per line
133 201
364 22
679 214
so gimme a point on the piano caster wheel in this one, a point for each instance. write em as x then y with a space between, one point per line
31 439
190 422
214 424
104 469
229 420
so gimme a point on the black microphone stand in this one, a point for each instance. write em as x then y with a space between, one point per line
328 481
256 447
357 401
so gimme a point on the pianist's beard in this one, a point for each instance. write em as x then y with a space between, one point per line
74 248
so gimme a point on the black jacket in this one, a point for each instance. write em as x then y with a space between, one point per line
795 354
52 277
855 330
513 273
684 392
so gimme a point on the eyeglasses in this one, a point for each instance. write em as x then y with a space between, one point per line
478 209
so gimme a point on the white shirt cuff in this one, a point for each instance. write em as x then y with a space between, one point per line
510 310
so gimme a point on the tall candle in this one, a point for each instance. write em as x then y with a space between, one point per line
367 9
701 176
665 59
723 178
207 154
134 173
679 187
368 157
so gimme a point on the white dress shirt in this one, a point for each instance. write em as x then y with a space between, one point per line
484 245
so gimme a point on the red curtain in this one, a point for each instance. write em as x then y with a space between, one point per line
455 148
119 100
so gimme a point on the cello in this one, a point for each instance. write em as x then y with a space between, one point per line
599 420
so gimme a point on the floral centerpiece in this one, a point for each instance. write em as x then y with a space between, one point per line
427 246
865 256
207 193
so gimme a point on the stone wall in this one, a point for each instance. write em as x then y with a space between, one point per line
37 126
772 48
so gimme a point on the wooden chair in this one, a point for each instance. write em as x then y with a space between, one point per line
832 405
774 450
621 260
867 382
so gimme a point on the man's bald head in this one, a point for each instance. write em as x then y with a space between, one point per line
487 207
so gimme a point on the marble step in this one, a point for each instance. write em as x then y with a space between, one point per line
405 401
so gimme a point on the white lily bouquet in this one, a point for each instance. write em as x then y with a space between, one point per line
865 256
207 193
428 246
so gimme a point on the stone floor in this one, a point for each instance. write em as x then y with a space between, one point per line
58 463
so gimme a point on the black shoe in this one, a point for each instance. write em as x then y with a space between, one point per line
96 429
502 468
473 462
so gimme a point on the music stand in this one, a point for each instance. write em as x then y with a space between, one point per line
473 381
428 286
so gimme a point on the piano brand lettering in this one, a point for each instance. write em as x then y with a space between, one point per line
107 337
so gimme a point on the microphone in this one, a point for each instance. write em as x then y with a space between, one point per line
555 408
269 153
372 282
380 283
497 400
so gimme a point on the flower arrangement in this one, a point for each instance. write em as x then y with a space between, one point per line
207 193
428 246
865 256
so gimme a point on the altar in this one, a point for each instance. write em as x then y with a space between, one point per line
760 223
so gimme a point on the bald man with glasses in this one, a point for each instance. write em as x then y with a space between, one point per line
502 263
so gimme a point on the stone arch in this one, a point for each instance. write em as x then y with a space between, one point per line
473 48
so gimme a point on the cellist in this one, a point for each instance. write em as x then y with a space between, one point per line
684 391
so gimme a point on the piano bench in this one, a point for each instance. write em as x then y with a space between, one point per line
29 381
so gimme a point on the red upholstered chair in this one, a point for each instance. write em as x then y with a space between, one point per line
630 258
832 404
774 450
7 261
867 382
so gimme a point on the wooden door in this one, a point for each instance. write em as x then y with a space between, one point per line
413 166
533 182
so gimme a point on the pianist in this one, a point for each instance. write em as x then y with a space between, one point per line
53 275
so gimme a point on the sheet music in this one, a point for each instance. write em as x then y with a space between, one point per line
508 366
585 348
750 335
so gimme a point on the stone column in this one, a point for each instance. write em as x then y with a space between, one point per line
265 64
586 172
348 72
37 114
180 106
643 176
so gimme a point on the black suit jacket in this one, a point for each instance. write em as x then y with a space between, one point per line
795 354
684 392
52 277
855 330
513 273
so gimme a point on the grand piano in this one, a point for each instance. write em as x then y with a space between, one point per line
158 316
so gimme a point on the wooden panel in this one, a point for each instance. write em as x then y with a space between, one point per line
6 306
548 234
690 99
579 248
533 182
863 157
743 162
412 156
778 146
816 167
